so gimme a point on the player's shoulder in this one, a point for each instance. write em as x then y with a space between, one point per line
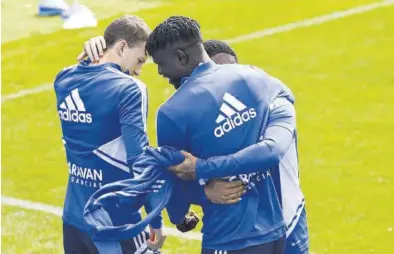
166 108
179 99
63 72
237 72
274 87
124 82
238 66
253 70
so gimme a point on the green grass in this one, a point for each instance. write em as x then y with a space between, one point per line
340 72
27 23
346 130
26 231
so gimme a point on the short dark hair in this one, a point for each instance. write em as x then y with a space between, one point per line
132 29
172 30
214 47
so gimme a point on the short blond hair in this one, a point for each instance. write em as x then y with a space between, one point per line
132 29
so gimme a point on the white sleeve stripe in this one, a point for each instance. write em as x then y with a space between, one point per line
144 104
295 218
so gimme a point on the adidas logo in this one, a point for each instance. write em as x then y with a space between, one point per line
233 114
73 109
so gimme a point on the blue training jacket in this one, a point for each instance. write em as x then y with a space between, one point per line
217 111
103 119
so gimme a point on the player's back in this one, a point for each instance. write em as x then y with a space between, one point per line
223 111
88 102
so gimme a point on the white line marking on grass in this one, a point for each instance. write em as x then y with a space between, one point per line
57 211
255 35
312 21
32 205
25 92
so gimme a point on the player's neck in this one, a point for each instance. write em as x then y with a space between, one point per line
205 58
201 59
110 58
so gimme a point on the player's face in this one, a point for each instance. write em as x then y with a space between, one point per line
133 58
224 58
171 64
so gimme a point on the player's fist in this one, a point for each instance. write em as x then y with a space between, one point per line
187 169
156 238
189 223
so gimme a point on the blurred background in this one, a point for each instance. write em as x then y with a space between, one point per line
340 67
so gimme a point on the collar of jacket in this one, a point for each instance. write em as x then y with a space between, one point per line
200 69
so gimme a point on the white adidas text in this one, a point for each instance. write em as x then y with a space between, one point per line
73 109
75 116
236 121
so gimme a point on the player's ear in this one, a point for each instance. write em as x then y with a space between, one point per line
181 56
121 46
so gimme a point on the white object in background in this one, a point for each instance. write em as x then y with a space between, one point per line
71 9
51 7
78 16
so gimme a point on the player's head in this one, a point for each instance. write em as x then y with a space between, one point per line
126 39
220 52
176 47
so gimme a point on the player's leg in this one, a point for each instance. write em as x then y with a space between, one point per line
76 241
280 246
298 240
275 247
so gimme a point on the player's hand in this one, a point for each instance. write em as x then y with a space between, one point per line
187 169
189 223
223 192
93 49
156 238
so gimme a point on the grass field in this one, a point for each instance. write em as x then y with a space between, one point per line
340 71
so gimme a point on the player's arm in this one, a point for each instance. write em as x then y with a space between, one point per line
150 204
177 206
276 139
132 115
157 234
169 134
